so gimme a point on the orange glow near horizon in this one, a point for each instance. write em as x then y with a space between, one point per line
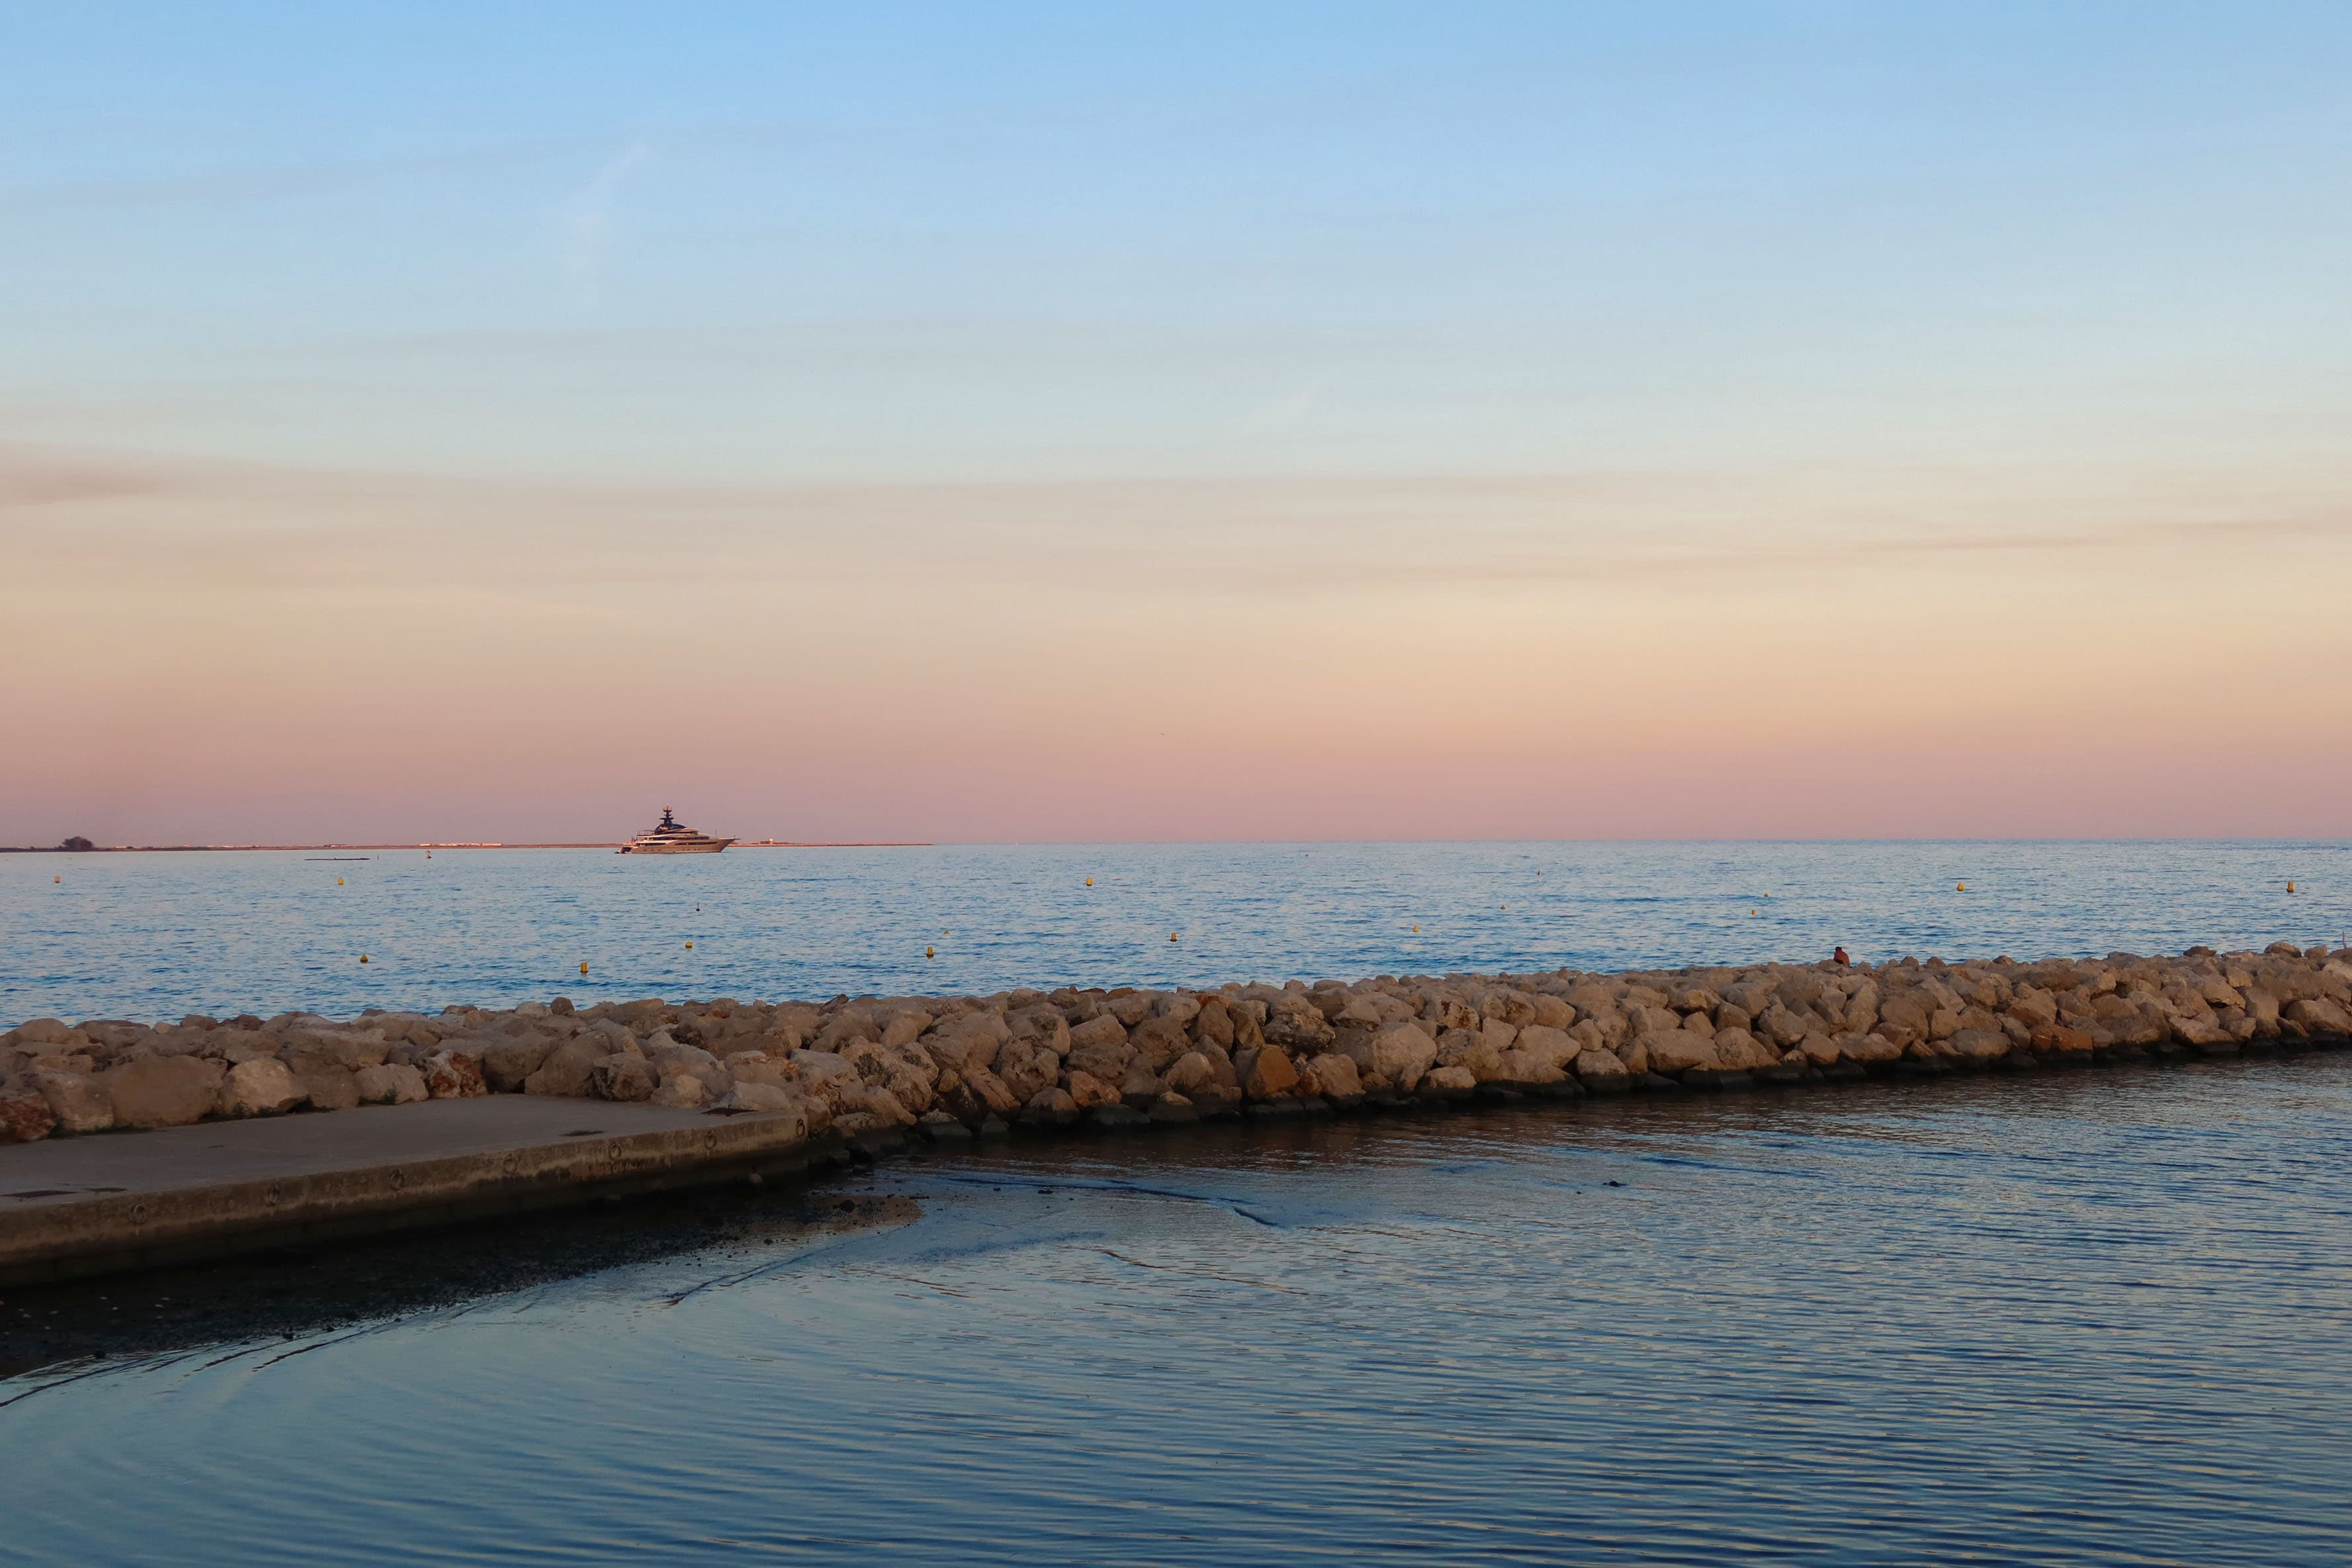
207 654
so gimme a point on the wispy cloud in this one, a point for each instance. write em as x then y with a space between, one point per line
588 225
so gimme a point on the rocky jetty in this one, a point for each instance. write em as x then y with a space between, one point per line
952 1065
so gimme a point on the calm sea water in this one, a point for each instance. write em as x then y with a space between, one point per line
155 936
2099 1318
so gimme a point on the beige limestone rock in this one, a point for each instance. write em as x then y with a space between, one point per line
1674 1051
260 1086
1978 1044
391 1084
1160 1040
1102 1029
2318 1015
1818 1050
1086 1091
681 1092
1401 1053
79 1103
1548 1044
2057 1038
1189 1073
1737 1050
329 1088
1516 1066
508 1064
1333 1076
164 1091
1050 1108
1448 1080
565 1071
620 1076
1601 1070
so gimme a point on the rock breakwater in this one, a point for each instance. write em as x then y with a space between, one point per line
950 1067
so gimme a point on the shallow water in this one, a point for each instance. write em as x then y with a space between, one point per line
154 936
2082 1318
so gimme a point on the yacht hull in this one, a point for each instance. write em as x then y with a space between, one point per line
711 847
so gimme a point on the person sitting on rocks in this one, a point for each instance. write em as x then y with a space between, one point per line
1840 958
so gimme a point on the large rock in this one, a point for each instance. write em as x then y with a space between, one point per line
1105 1059
1868 1049
1190 1071
394 1083
508 1065
164 1091
2319 1016
1736 1050
2032 1006
755 1096
79 1103
1102 1029
1298 1024
1028 1067
1978 1044
1400 1053
349 1049
1516 1065
994 1095
1160 1040
1050 1108
2057 1039
25 1115
565 1071
1333 1076
1086 1091
621 1076
260 1086
1272 1074
453 1075
1601 1071
329 1088
1674 1051
1548 1044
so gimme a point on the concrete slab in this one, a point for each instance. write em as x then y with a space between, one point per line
72 1206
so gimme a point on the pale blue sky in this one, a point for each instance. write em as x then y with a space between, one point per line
769 242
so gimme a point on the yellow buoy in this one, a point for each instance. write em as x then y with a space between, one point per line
1416 931
929 953
2290 886
1090 881
1171 936
364 958
1751 912
584 967
338 881
689 945
1959 886
61 881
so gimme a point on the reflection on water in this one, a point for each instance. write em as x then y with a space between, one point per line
2080 1319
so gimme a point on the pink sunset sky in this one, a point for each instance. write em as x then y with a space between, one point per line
1571 427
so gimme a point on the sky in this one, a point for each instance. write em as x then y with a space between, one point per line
1793 418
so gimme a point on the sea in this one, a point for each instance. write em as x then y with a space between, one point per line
2098 1317
152 937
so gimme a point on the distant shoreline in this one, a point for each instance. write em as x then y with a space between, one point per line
201 849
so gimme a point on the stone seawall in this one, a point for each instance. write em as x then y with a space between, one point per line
867 1067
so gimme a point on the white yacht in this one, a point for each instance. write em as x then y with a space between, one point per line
674 838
